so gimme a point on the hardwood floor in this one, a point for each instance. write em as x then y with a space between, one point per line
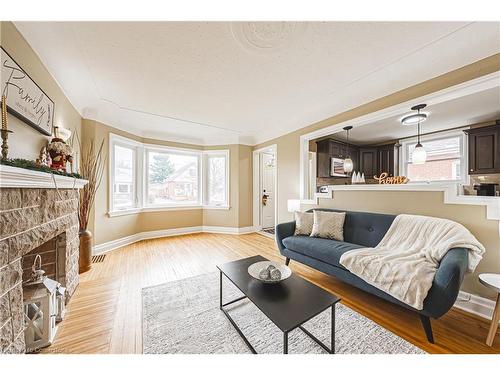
104 314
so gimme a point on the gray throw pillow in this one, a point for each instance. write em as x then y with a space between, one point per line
329 225
303 223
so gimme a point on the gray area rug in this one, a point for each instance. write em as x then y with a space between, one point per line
183 317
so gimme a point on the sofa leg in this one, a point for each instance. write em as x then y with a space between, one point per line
426 323
287 261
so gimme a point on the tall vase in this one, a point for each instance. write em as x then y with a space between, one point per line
85 261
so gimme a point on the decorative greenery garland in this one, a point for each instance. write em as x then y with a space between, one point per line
30 164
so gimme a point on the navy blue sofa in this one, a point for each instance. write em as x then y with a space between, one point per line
364 229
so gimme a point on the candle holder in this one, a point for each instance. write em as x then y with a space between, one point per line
5 145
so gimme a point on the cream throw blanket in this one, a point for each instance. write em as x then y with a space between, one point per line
404 263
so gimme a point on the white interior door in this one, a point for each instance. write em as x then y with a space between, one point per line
268 168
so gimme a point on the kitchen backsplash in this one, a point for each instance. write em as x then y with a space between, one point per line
480 179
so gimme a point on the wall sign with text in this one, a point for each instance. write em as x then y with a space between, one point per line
25 99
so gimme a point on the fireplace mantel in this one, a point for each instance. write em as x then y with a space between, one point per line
13 177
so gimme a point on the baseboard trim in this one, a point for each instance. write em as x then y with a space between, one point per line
128 240
475 304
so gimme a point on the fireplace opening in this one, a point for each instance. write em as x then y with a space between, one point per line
53 255
44 293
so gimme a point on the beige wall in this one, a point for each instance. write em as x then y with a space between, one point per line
473 217
26 142
239 214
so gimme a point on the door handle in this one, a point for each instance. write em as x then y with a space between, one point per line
265 197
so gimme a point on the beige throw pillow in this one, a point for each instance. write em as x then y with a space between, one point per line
303 223
329 225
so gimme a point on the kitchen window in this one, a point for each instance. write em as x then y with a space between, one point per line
446 158
148 177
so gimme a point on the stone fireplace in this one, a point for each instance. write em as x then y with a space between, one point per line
42 220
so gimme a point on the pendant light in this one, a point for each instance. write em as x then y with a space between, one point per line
419 155
348 164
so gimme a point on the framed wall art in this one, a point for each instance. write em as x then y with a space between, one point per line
25 99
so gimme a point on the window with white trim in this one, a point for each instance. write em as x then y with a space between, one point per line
124 177
150 177
216 166
446 158
173 178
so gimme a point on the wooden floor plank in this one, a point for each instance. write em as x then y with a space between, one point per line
104 315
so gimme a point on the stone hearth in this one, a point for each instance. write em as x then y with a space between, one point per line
30 218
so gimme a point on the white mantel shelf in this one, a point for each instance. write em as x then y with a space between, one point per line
451 195
13 177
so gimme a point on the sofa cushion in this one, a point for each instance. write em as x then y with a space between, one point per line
328 225
364 228
303 223
328 251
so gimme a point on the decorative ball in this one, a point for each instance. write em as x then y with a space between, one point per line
275 274
264 274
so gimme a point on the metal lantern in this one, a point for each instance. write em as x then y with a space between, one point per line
40 308
61 302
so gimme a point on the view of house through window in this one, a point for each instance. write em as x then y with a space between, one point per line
172 178
444 160
216 179
124 177
151 176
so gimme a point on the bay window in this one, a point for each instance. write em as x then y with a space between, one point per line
150 177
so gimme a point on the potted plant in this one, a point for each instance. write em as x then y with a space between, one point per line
91 169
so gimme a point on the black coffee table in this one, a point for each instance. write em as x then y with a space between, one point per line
288 304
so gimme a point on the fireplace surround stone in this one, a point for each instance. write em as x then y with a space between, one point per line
28 219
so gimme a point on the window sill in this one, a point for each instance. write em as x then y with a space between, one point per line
133 211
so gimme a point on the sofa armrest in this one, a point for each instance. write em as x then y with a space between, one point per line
283 231
447 282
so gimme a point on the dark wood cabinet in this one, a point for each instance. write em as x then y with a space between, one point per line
375 160
484 150
323 158
329 148
385 159
368 161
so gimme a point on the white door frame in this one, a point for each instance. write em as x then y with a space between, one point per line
257 223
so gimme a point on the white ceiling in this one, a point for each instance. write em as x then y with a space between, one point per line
245 82
463 111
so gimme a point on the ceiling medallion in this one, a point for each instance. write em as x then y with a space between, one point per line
265 36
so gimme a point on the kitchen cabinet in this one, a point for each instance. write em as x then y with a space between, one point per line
385 159
329 148
323 158
484 149
368 161
375 160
